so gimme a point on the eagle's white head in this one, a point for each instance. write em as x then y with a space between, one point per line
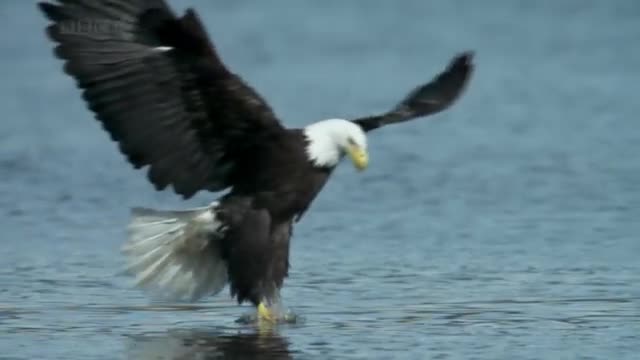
329 140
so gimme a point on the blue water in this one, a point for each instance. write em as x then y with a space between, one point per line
505 228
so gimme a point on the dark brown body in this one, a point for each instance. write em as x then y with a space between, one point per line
260 213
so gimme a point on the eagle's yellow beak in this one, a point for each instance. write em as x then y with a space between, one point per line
358 156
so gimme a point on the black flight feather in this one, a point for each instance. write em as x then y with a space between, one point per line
429 98
160 90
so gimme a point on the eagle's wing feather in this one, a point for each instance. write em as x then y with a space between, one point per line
430 98
159 88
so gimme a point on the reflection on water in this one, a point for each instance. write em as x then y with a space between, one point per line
208 344
377 328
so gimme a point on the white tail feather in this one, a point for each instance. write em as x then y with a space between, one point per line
174 254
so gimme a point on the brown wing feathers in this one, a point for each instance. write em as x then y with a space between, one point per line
429 98
157 85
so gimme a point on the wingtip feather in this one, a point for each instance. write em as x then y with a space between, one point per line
438 94
53 12
463 60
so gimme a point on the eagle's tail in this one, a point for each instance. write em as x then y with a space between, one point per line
176 254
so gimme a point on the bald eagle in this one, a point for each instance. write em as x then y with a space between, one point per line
156 83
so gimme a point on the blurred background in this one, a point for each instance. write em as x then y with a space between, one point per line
506 227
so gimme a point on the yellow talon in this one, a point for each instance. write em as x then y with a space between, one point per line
265 314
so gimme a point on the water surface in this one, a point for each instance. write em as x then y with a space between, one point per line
505 228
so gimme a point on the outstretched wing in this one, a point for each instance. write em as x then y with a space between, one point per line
429 98
159 88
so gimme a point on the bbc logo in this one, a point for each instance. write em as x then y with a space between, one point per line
96 27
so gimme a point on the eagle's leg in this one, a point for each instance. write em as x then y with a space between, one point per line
269 309
266 314
272 311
